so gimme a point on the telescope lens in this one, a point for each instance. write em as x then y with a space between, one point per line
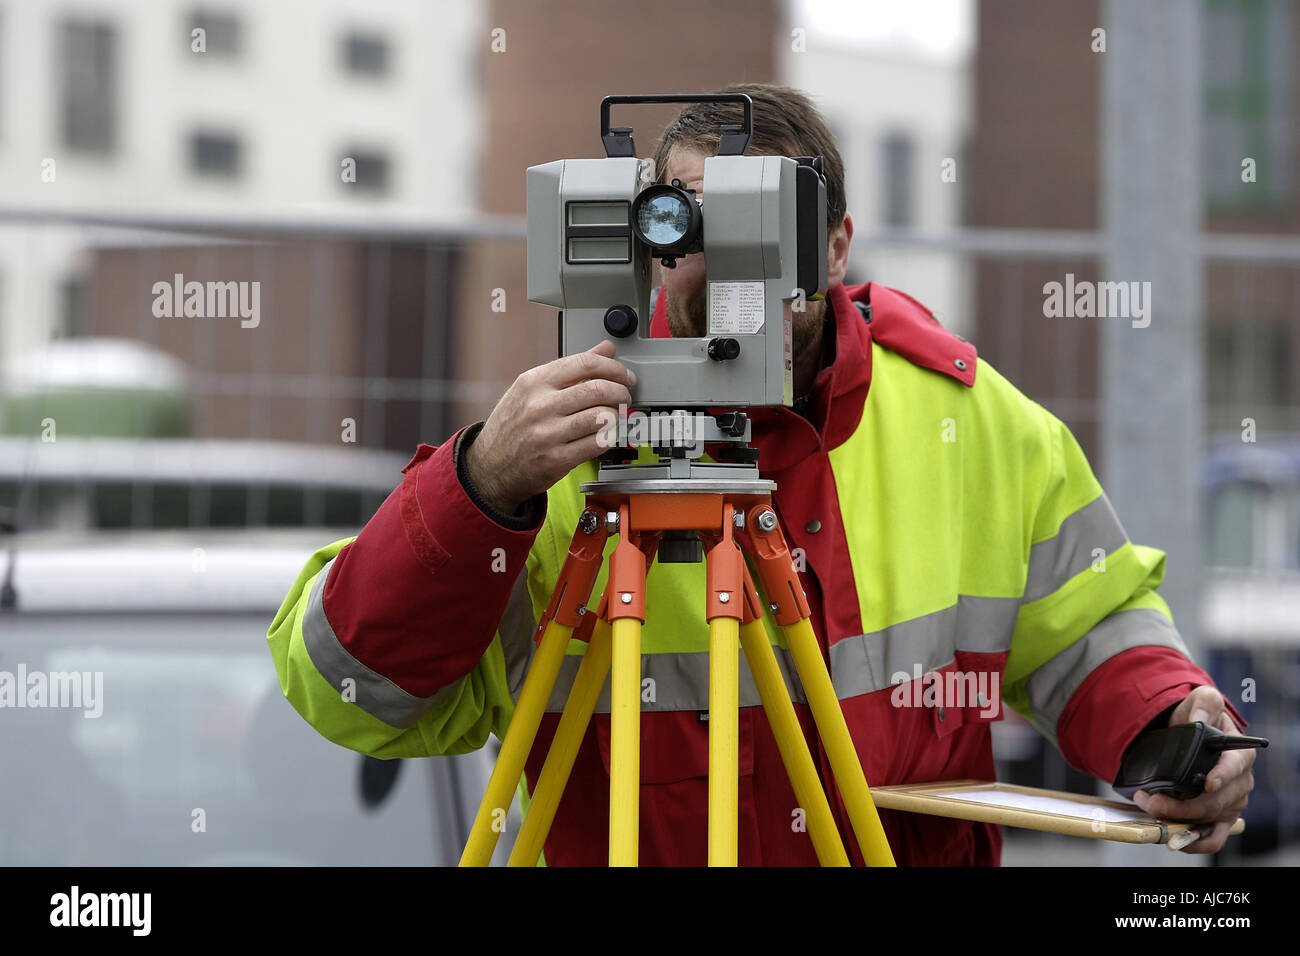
664 219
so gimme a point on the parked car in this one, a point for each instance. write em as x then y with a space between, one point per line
194 757
79 483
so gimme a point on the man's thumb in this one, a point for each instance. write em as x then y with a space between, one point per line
1204 704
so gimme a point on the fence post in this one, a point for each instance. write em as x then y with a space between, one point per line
1152 389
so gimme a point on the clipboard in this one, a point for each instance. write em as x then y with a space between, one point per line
1031 808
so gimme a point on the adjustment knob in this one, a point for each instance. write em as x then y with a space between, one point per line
722 350
620 321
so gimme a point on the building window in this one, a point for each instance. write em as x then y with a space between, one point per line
87 82
365 54
216 154
1249 76
897 162
222 32
72 308
366 171
1248 361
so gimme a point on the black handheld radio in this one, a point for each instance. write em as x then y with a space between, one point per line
1174 761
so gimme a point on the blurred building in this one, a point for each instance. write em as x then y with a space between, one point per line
438 109
176 109
899 103
165 113
1038 126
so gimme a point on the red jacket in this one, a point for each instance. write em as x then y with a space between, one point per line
400 607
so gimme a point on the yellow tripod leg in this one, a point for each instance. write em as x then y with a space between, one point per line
834 732
587 685
724 746
520 735
625 744
794 748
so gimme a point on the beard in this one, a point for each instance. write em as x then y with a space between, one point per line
688 318
808 327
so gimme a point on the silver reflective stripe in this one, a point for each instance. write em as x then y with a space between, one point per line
1070 551
681 682
1054 683
981 625
859 665
516 631
375 694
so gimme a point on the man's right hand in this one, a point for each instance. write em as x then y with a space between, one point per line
546 424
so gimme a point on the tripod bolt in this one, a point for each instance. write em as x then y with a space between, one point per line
738 519
774 608
589 522
626 598
724 597
767 520
611 522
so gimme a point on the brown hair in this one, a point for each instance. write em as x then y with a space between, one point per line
786 123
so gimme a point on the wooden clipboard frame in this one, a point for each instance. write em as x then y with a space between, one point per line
932 799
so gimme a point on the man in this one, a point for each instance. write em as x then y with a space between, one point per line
947 527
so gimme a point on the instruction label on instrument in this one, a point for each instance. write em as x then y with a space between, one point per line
736 307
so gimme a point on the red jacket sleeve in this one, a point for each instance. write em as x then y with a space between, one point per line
418 595
1119 699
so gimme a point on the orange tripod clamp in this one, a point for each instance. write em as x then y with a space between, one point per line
775 569
568 604
726 571
627 570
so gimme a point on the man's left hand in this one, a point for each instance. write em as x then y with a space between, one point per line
1227 785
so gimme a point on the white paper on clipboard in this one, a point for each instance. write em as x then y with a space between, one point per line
1057 805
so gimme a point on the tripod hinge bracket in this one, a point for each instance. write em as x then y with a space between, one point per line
726 571
775 569
625 593
569 600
